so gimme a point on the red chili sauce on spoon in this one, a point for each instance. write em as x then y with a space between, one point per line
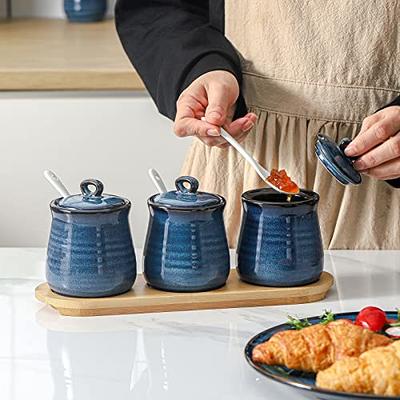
281 180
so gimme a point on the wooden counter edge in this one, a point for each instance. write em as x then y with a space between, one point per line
69 80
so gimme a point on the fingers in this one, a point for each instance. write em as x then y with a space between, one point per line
388 170
388 150
187 122
241 125
375 130
211 142
218 104
194 127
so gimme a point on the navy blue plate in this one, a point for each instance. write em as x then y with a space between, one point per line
299 380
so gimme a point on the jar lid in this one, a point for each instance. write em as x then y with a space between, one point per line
91 199
187 198
336 162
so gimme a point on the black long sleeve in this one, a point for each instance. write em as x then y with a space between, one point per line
173 42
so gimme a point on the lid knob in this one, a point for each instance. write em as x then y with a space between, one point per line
87 183
342 146
193 184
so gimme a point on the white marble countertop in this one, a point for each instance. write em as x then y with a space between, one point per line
180 355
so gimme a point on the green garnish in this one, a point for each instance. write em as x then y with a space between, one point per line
326 317
297 323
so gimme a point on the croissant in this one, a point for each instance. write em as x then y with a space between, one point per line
376 371
317 347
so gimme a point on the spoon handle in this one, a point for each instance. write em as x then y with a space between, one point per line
264 174
55 181
157 180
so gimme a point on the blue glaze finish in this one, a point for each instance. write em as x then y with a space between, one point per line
303 383
187 198
90 253
280 242
85 10
92 200
186 250
333 158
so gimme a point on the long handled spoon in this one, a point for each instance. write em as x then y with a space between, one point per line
157 180
261 171
55 181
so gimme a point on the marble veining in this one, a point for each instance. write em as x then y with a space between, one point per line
158 356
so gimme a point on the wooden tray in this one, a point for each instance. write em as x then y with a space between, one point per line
144 299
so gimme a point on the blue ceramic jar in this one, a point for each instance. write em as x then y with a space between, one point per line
85 10
186 248
90 251
280 242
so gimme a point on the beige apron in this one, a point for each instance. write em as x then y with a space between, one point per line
310 65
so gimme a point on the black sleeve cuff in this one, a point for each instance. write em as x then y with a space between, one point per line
395 102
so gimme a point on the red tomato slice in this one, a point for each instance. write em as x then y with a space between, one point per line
372 318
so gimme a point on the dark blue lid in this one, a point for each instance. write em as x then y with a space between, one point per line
91 199
187 197
335 161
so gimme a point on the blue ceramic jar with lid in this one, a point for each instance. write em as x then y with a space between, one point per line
85 10
90 251
280 241
186 248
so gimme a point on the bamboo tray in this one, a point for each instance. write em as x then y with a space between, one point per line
144 299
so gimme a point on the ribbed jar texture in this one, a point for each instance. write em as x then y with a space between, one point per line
280 246
91 255
186 251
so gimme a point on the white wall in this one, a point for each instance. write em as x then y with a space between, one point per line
113 137
44 8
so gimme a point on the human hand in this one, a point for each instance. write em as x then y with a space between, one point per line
378 145
213 95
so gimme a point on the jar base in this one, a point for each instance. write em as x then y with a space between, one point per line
86 18
277 284
183 290
110 293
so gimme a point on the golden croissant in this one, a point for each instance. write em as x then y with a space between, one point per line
317 347
376 371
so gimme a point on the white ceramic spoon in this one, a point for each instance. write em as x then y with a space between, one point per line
261 171
55 181
157 180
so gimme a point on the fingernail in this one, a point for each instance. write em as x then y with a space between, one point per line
350 150
359 165
247 126
214 114
213 132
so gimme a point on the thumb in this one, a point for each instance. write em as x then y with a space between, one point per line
218 105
